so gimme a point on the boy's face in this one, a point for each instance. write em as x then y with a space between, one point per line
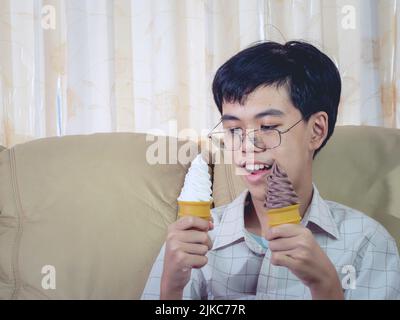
294 153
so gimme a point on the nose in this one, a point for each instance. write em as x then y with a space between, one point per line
248 143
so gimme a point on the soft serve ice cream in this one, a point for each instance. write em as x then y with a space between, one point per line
281 200
195 197
280 192
197 185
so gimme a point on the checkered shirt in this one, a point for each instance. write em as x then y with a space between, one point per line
364 254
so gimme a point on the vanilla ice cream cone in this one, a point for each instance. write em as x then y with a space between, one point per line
195 197
201 209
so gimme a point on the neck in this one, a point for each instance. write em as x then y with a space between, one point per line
256 220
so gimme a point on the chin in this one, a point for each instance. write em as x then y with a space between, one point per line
257 191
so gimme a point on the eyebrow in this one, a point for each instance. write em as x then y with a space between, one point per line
268 112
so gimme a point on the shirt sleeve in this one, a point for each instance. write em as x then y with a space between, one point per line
195 289
377 270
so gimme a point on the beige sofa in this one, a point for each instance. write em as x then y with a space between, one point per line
94 210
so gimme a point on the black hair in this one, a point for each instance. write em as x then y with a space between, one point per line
311 78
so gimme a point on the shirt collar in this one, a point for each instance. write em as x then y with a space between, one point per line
319 214
232 223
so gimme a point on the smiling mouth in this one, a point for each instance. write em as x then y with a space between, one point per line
257 168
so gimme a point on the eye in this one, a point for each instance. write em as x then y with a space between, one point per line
265 128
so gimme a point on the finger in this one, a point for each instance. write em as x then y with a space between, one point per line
186 223
191 236
283 231
283 259
283 244
195 261
210 224
197 249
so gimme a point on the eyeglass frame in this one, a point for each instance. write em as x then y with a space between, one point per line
245 133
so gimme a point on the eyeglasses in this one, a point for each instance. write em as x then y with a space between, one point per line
265 138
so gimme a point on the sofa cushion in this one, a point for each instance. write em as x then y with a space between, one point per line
359 167
90 206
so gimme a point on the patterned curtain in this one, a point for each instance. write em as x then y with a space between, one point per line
84 66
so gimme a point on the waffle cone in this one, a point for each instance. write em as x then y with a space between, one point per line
284 215
199 209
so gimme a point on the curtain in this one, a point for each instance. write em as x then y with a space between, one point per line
85 66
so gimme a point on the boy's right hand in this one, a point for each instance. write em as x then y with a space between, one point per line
186 247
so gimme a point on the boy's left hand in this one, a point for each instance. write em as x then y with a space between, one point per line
294 246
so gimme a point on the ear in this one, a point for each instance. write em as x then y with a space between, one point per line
319 129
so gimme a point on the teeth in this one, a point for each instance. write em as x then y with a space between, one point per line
249 167
254 167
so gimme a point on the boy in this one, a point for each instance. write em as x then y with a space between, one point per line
278 103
